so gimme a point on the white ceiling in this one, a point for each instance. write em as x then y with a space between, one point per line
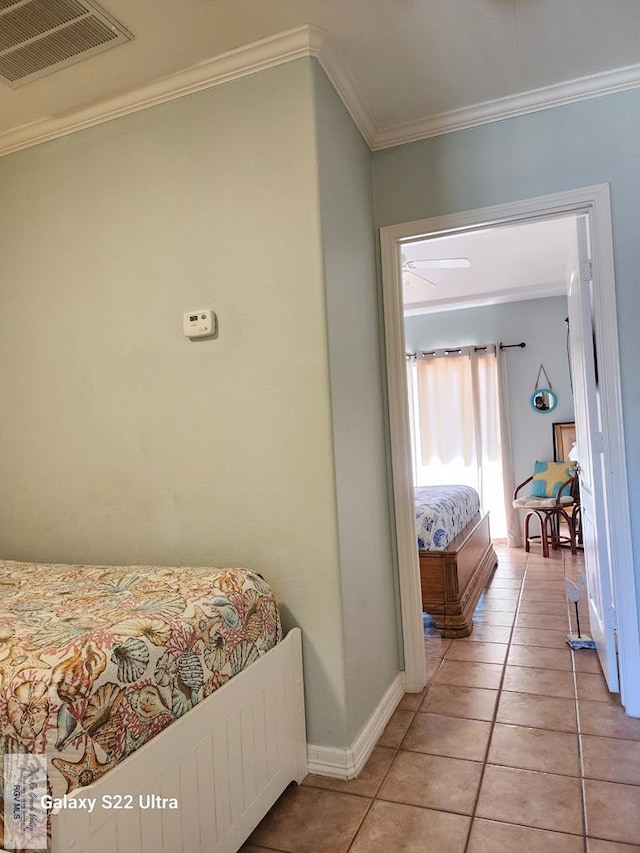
509 263
411 65
407 69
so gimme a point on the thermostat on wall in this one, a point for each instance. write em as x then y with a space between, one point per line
199 324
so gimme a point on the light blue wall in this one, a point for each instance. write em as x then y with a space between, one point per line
357 407
120 440
123 442
537 322
591 142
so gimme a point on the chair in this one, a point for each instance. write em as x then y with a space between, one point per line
553 498
576 514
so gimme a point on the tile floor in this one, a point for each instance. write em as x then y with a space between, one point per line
514 745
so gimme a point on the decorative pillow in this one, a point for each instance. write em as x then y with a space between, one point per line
548 477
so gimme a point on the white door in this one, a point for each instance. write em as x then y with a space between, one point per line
590 455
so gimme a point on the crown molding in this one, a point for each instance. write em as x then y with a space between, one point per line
535 100
232 65
497 297
305 41
348 93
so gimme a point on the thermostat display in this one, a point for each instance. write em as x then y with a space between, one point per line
199 324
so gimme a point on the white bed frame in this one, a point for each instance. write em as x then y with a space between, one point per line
226 762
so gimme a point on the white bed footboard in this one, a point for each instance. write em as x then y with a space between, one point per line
223 764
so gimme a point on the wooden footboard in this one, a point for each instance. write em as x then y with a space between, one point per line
453 579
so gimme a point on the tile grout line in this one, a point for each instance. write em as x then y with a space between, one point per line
531 580
499 692
495 709
583 793
414 712
361 824
396 750
577 713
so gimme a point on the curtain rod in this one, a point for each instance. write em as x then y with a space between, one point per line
453 350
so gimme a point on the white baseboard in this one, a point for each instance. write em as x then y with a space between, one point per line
348 762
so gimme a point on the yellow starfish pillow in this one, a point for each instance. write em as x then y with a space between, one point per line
548 477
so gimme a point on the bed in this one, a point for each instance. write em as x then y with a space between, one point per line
167 696
455 554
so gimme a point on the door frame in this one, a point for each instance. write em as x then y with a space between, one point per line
595 202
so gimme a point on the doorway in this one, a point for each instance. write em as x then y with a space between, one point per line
496 287
592 202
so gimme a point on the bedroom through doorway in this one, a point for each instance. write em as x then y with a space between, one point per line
470 301
590 279
464 295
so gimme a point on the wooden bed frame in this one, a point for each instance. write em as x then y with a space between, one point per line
226 762
452 580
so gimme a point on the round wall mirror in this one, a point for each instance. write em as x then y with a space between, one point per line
543 400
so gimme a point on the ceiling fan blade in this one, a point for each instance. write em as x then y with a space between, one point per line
409 274
442 263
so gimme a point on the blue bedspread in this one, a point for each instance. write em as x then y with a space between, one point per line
442 512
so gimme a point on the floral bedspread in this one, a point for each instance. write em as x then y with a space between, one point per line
442 512
95 660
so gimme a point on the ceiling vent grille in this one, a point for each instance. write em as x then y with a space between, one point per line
38 37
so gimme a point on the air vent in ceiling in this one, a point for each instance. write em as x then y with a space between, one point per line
38 37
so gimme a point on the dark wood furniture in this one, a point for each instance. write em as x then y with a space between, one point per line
564 436
550 512
453 579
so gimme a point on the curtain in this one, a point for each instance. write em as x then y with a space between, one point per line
459 416
446 431
412 418
514 534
